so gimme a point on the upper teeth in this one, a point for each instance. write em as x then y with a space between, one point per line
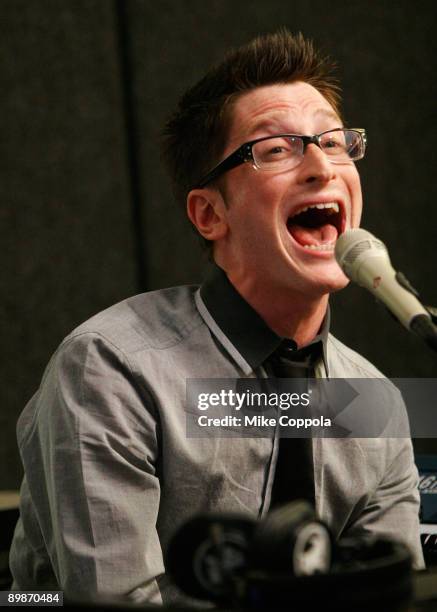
333 205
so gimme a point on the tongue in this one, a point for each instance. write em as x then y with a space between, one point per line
313 235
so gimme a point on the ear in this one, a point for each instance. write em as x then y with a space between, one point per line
207 211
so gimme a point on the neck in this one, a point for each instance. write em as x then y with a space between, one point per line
289 314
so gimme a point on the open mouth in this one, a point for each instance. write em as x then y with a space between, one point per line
317 226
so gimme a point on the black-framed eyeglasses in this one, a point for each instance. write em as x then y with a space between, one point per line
285 151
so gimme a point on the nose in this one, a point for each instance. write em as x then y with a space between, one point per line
315 166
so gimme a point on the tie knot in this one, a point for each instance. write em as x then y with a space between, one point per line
288 361
287 348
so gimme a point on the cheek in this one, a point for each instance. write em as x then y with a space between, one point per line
251 203
357 218
356 199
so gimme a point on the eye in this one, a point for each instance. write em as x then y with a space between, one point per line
273 150
331 144
335 143
277 150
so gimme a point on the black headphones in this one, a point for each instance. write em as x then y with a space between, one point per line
288 560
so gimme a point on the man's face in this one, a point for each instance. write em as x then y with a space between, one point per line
265 241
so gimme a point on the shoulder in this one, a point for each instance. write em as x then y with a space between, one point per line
105 355
344 362
354 365
154 320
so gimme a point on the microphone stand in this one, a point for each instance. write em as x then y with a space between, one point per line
426 327
422 325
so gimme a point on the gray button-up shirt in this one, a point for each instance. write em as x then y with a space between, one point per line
110 473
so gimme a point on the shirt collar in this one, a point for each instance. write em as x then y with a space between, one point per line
242 325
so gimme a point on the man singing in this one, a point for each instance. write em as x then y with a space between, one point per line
261 159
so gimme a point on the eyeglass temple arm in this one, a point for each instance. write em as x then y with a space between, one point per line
238 157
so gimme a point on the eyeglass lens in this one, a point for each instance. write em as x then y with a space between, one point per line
338 145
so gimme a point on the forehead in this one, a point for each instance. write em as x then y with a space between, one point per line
291 107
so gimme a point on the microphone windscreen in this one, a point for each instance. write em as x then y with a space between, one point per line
354 245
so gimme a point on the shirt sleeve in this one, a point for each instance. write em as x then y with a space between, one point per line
393 509
90 454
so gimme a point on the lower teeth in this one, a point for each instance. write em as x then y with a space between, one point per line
328 246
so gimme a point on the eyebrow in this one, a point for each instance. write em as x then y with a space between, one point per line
270 123
330 114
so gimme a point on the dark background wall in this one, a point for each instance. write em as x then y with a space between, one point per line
87 217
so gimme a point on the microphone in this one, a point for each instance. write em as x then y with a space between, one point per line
365 260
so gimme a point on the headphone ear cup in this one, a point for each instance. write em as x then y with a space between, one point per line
291 539
207 551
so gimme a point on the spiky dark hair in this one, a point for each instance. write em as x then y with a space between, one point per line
195 135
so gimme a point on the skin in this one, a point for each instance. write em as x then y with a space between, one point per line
285 283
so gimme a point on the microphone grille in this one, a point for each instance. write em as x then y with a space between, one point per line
352 244
351 255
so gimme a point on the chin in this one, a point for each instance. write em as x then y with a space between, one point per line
338 286
326 283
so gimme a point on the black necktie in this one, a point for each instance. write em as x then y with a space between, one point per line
294 475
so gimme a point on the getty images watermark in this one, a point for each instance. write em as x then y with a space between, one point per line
338 408
245 402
